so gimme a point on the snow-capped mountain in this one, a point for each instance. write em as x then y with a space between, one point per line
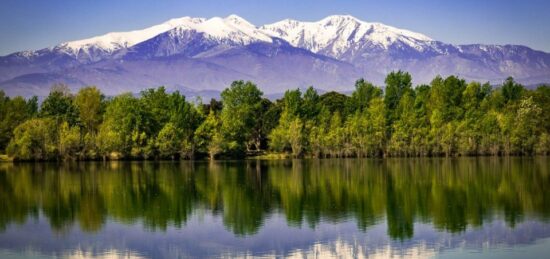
114 41
341 35
207 54
212 35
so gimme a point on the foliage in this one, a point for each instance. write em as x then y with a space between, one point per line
448 117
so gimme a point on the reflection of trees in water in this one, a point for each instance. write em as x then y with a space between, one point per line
451 194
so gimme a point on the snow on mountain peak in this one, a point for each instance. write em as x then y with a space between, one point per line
334 35
235 19
337 34
113 41
229 29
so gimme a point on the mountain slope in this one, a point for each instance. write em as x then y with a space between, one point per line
340 36
207 54
266 63
378 49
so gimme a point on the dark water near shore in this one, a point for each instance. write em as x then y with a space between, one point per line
421 208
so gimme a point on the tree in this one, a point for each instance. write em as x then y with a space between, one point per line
541 97
335 102
357 125
12 113
157 105
241 105
511 90
288 135
403 128
377 126
397 84
208 136
169 141
34 140
126 127
447 117
524 135
295 136
363 94
334 138
59 106
267 120
186 118
69 141
469 128
293 102
421 136
89 102
109 140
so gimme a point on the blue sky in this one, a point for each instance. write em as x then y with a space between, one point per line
26 24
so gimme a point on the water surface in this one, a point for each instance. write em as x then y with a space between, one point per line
448 208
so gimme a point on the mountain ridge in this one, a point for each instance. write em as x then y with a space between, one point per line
201 54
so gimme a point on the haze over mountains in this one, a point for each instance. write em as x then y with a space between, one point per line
197 54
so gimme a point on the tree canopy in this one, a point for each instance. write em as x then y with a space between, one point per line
448 117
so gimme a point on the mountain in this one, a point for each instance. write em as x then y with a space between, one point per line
377 49
345 37
201 55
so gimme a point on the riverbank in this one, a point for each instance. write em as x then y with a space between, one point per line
253 156
6 158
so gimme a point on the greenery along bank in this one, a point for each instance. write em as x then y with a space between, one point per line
447 117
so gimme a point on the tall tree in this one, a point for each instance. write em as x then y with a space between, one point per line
126 127
397 84
59 105
12 113
363 94
377 127
241 104
89 102
34 139
208 136
511 90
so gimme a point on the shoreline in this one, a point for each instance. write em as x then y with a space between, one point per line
267 157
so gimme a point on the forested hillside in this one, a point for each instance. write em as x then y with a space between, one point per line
448 117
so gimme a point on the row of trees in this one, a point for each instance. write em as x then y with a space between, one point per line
447 117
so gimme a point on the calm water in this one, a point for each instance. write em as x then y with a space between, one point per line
448 208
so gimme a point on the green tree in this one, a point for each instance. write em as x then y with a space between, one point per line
335 102
401 142
288 135
89 101
12 113
363 94
69 141
310 105
296 136
511 90
241 104
377 126
397 84
59 105
126 127
186 118
524 135
169 141
208 136
357 125
34 140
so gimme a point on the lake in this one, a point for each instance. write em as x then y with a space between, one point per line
488 207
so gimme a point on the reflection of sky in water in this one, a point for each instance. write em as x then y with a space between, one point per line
205 235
